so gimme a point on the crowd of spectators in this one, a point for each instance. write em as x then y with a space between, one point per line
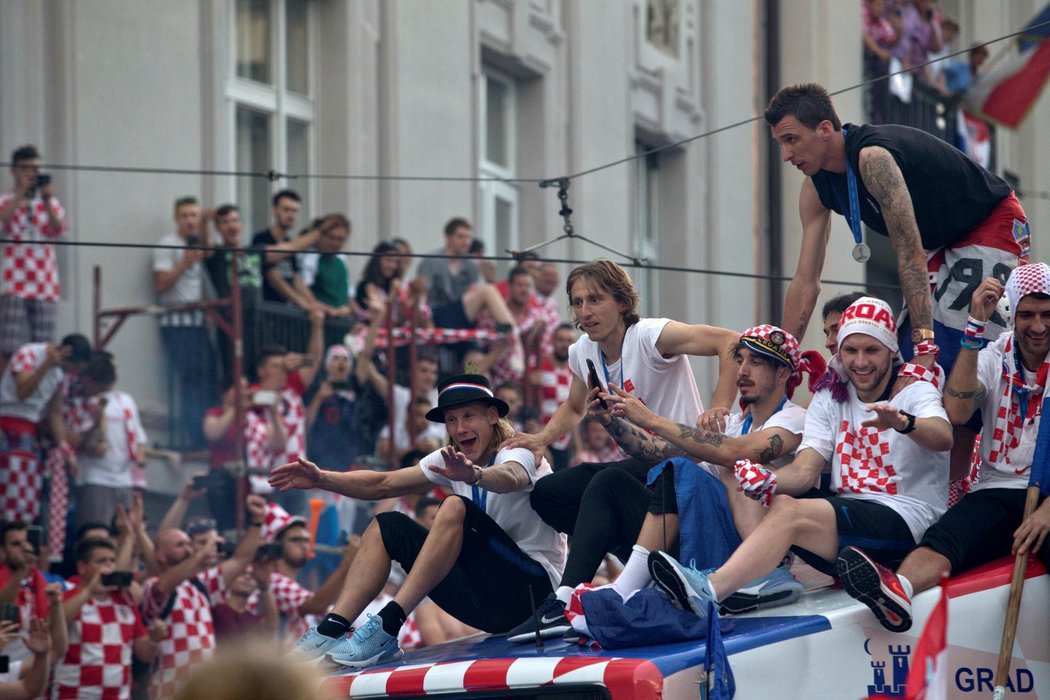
914 36
132 608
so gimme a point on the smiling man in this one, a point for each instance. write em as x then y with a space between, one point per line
889 471
483 560
988 523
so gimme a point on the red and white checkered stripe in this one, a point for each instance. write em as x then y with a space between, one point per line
864 459
554 391
190 640
431 336
934 376
293 417
21 484
621 676
98 662
755 481
289 597
59 509
1025 280
28 268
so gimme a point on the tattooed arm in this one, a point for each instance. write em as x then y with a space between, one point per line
642 445
801 297
964 392
884 180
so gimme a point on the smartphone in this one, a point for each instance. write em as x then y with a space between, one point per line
200 481
35 537
226 549
193 239
306 361
43 179
595 383
5 664
271 550
120 579
11 613
341 386
264 397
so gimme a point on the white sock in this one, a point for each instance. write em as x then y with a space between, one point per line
906 585
635 574
711 587
564 593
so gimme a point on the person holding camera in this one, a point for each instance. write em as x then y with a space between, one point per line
29 288
288 543
182 595
105 628
178 279
233 620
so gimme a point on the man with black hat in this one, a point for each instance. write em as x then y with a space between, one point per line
486 556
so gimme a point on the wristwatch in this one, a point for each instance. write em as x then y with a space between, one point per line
920 334
478 473
911 423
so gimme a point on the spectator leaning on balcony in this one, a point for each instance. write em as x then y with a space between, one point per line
325 270
947 219
30 215
178 278
281 280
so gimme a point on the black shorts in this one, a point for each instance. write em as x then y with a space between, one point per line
451 315
876 528
979 529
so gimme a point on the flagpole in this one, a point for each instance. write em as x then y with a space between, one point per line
1013 605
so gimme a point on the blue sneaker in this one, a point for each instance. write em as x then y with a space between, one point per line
368 646
313 645
778 587
687 586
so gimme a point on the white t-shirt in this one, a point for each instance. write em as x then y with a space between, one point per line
31 408
791 418
882 465
402 399
188 288
512 511
113 469
666 385
990 375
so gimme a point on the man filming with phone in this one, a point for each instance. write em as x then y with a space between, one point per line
30 214
105 628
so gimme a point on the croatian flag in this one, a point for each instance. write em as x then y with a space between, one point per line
1006 90
928 678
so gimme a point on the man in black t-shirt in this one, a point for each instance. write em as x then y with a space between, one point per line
281 281
950 221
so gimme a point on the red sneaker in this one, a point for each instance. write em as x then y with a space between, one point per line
875 586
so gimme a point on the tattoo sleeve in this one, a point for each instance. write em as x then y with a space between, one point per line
638 443
701 437
884 180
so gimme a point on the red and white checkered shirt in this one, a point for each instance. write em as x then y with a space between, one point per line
554 391
191 632
289 597
33 407
28 268
293 416
98 662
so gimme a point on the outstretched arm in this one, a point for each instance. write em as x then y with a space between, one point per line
363 484
802 293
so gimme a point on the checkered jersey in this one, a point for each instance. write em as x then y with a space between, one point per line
191 632
864 456
554 391
21 484
293 416
98 662
28 268
289 597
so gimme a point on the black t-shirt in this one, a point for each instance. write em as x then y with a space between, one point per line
287 267
950 193
248 272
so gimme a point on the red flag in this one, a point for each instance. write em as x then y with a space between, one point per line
928 676
1006 90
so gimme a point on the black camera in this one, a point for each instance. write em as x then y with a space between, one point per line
120 579
193 240
43 179
200 481
273 550
341 386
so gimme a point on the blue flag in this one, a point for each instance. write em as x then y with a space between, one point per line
717 682
1040 471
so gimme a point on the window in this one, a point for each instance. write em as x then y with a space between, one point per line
647 223
499 200
270 97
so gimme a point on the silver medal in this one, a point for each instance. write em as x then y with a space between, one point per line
861 252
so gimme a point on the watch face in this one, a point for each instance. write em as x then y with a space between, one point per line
920 334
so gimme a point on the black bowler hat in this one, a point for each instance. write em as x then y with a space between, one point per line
465 388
